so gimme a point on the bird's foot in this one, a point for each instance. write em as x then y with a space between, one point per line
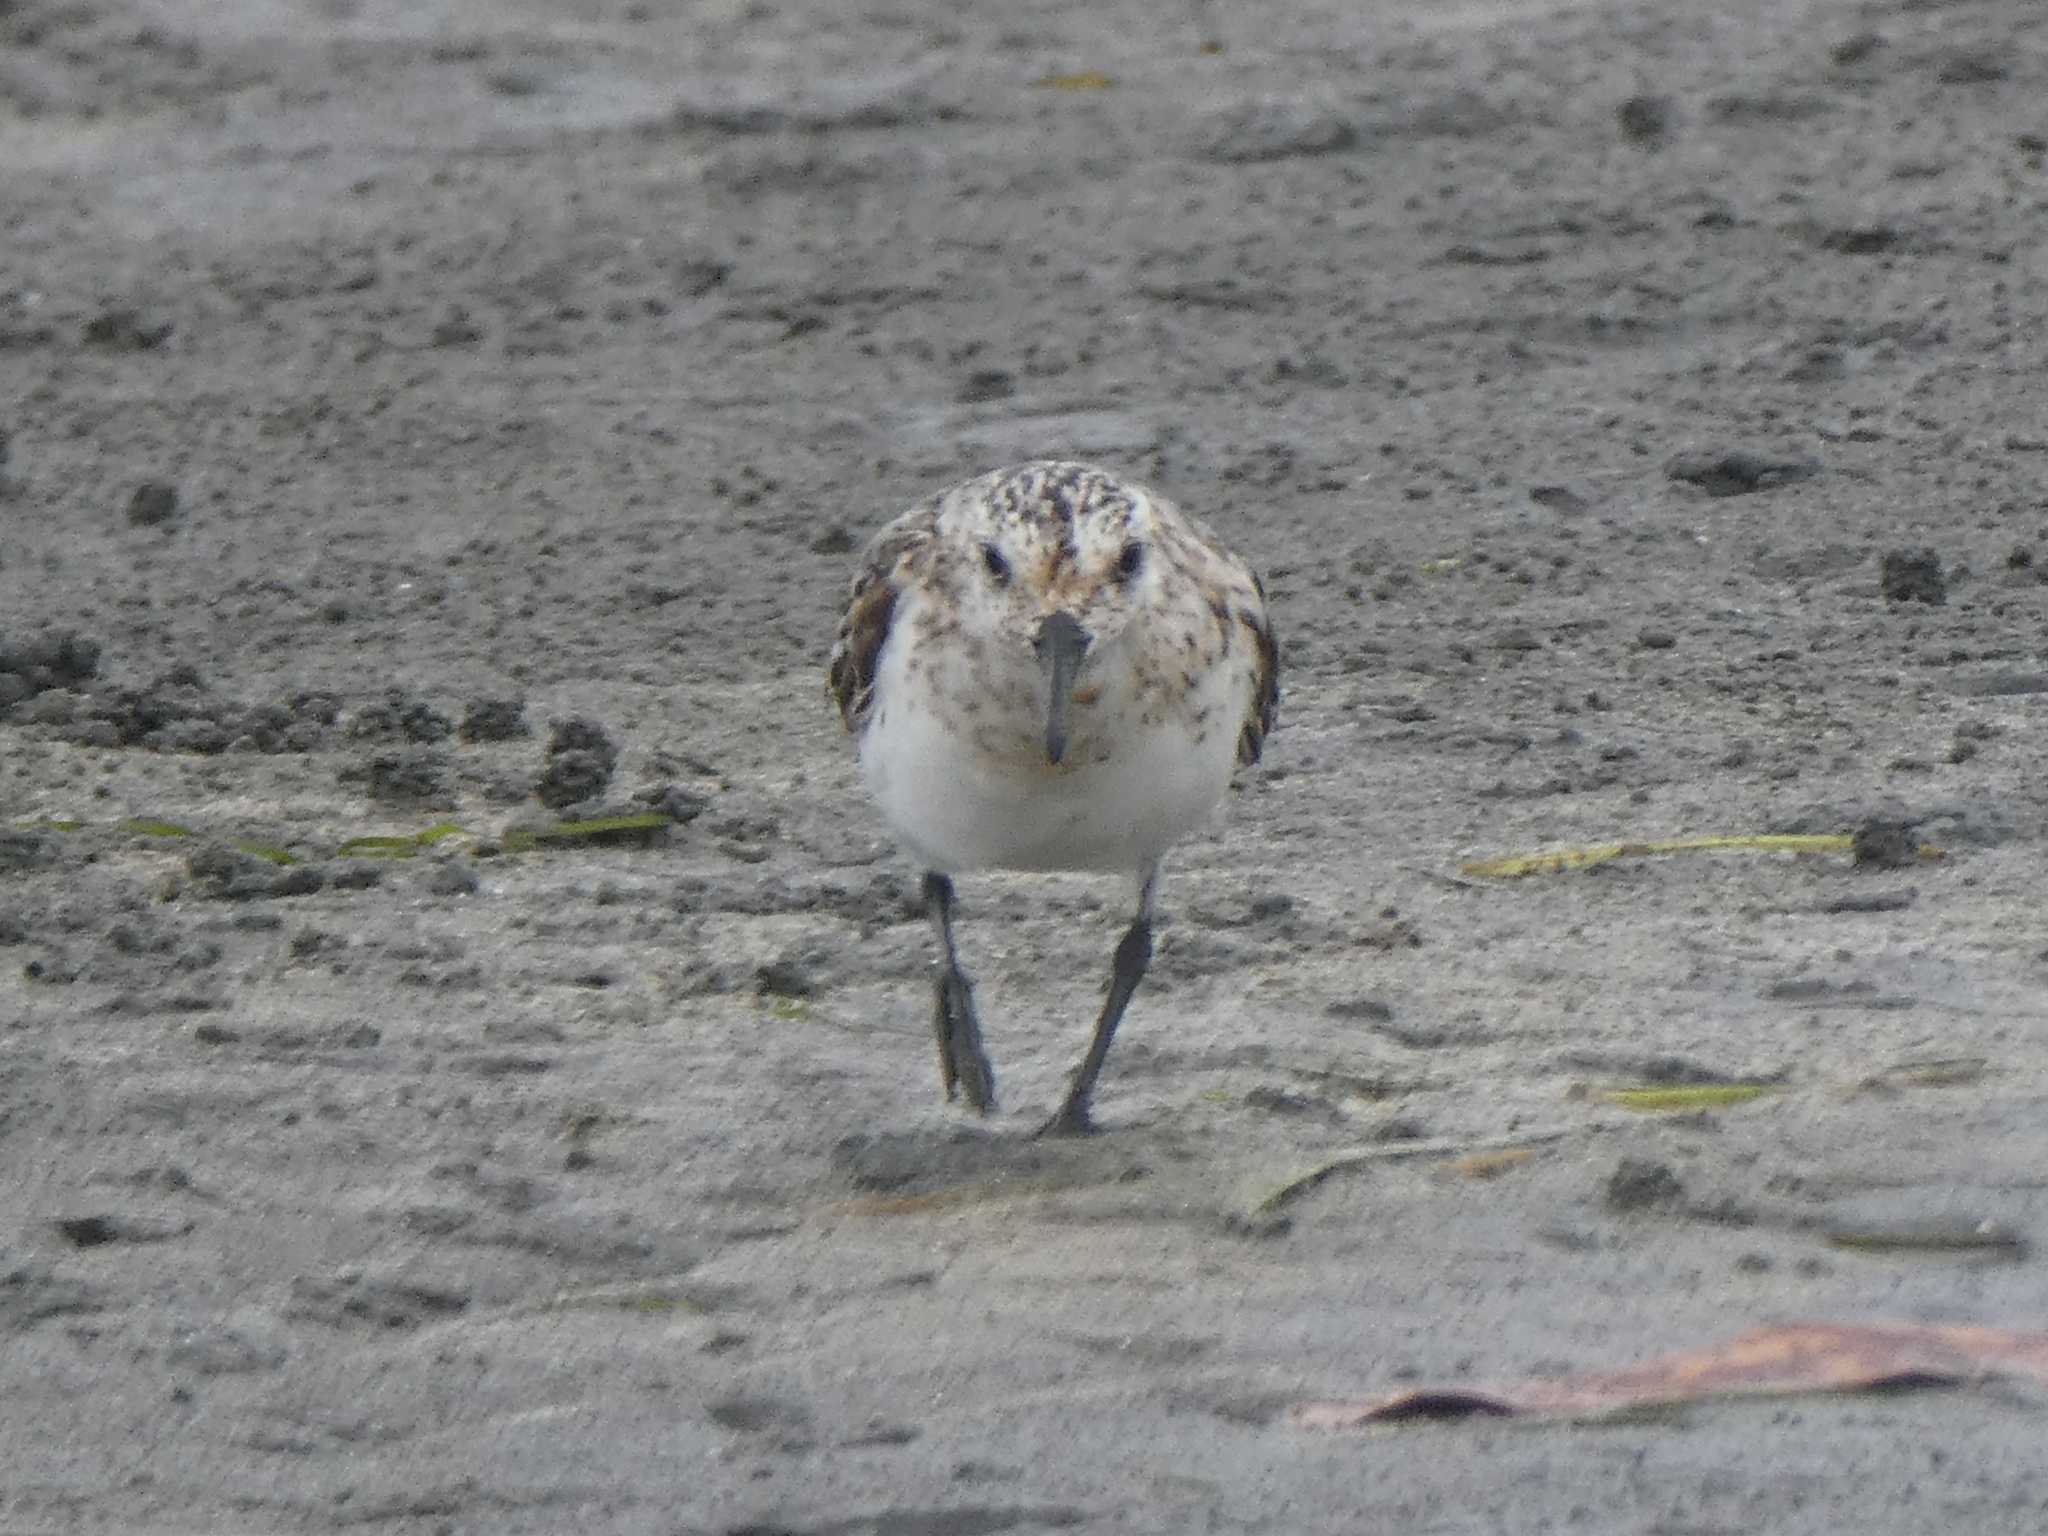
1071 1119
963 1062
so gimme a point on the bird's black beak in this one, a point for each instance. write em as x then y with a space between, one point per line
1061 645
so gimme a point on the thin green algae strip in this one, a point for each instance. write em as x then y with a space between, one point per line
383 847
597 830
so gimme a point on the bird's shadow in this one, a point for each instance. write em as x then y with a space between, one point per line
942 1163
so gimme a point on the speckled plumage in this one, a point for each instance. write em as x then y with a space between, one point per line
931 648
945 668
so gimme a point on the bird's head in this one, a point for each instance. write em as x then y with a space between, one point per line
1058 559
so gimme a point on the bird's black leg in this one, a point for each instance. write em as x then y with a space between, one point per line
1133 955
962 1061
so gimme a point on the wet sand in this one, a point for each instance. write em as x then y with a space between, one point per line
382 385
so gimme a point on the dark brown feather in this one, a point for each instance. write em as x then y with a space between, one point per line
864 628
1258 723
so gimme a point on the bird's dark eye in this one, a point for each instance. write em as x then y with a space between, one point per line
1131 561
998 568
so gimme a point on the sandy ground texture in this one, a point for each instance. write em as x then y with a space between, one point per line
383 384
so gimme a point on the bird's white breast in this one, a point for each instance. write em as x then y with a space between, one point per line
954 756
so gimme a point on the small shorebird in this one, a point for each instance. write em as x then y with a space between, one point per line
1049 668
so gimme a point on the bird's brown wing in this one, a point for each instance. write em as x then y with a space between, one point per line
1265 705
864 627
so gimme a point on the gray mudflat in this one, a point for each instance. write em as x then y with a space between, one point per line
1571 370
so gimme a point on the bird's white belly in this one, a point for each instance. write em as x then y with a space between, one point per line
1128 790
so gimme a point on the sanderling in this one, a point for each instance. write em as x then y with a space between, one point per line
1049 668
